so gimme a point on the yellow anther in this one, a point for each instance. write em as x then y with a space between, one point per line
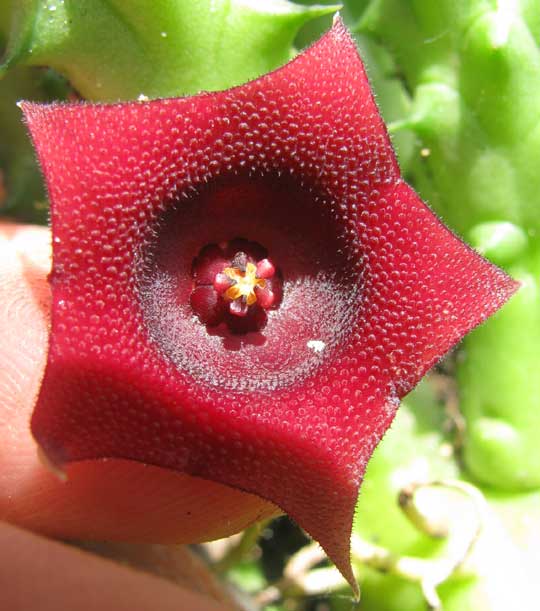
245 283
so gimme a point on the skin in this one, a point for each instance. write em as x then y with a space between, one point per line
80 580
101 500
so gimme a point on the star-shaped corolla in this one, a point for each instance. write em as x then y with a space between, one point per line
348 288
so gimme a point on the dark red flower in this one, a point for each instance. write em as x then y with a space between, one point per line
283 386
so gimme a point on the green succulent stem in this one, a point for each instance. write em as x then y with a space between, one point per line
121 49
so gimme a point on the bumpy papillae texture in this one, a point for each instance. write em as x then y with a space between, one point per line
375 288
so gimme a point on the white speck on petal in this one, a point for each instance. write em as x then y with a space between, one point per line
316 344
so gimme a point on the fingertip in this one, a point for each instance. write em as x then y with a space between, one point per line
121 500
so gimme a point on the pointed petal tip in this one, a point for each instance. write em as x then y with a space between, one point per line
53 467
341 557
29 107
26 107
513 287
334 539
504 286
33 111
356 590
350 578
338 26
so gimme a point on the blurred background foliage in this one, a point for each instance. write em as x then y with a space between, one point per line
449 513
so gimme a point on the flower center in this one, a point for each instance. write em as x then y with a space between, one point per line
314 279
235 280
